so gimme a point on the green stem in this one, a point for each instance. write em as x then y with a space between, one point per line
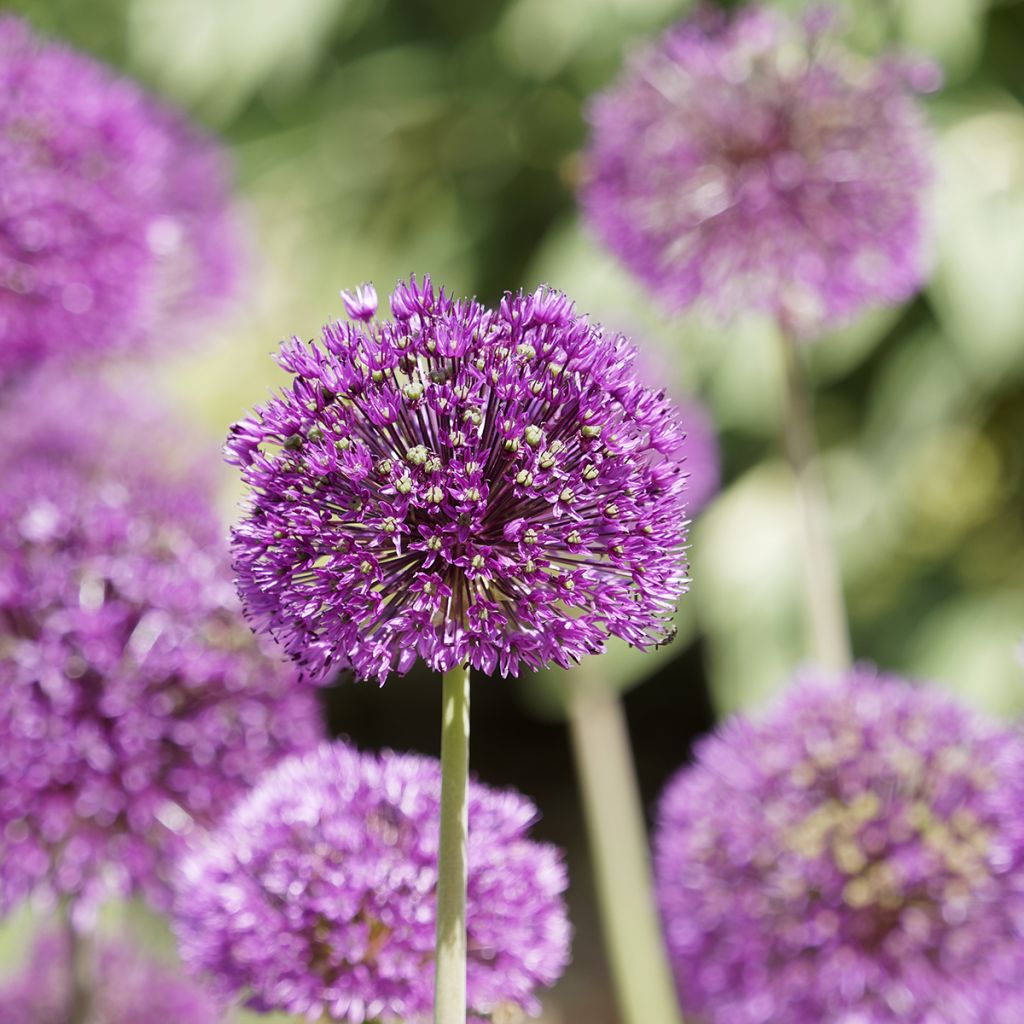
450 977
825 608
618 842
78 968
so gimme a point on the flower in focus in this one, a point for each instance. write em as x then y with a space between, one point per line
317 894
114 211
854 855
129 989
134 700
750 162
460 484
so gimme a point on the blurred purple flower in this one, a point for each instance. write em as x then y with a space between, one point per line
129 989
701 461
114 211
855 854
317 895
750 162
134 698
460 484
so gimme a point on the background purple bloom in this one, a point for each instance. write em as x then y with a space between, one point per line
702 463
317 894
128 989
749 161
855 854
114 215
134 698
460 484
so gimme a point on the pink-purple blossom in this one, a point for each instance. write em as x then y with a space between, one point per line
751 163
128 987
856 853
317 895
135 701
115 217
463 485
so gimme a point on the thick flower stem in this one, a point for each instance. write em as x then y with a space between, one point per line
618 843
450 977
78 967
823 589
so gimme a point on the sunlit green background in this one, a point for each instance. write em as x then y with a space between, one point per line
374 138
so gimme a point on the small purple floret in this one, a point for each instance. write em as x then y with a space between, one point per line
462 485
854 854
317 895
749 162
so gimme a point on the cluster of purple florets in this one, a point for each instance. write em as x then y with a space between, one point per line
114 211
747 161
856 854
462 485
317 894
135 703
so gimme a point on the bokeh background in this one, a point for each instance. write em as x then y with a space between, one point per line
374 138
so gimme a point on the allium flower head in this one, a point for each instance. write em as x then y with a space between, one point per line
460 484
114 215
129 988
855 855
317 895
750 162
134 699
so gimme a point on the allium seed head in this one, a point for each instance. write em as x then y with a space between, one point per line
856 854
317 894
750 162
114 212
135 701
415 491
128 988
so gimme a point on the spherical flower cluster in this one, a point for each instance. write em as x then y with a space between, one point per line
750 162
317 895
134 699
460 484
114 213
857 854
128 988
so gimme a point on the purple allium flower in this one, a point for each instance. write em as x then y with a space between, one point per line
854 855
460 484
134 699
129 989
750 162
317 894
114 212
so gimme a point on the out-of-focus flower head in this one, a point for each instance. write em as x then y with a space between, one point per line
460 484
128 988
317 895
135 700
702 462
114 211
747 161
856 854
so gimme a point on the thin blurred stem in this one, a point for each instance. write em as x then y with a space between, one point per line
79 969
618 843
450 977
825 607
